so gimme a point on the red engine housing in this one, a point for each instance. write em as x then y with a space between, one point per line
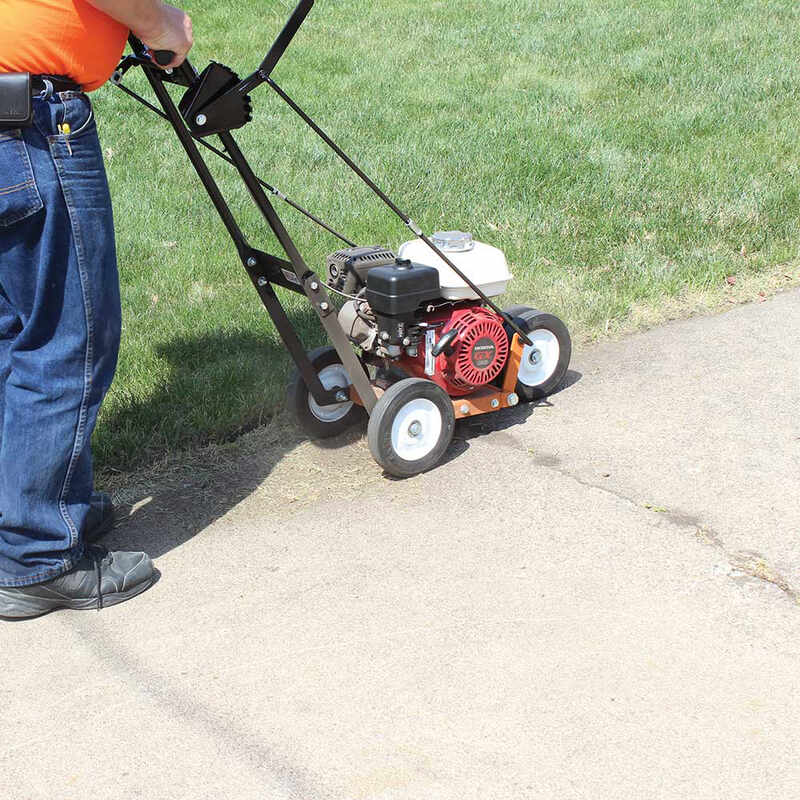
477 354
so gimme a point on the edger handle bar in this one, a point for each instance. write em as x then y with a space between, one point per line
163 57
278 48
285 37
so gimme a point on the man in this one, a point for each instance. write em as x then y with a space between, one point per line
59 302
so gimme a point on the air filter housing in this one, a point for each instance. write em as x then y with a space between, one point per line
347 269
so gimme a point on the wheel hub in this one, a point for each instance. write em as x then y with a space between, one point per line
540 358
330 376
415 429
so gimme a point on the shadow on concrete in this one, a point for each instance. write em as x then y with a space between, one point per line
509 418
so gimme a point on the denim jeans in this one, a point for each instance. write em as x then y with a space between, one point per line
59 333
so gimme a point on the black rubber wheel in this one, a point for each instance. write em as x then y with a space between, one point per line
322 422
410 427
543 366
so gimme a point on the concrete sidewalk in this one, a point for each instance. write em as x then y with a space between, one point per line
594 598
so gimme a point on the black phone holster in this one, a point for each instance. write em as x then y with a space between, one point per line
16 103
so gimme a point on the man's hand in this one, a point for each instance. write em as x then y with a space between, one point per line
158 25
172 32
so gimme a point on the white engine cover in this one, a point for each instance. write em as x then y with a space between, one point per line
484 265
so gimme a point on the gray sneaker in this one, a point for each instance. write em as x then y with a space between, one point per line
99 579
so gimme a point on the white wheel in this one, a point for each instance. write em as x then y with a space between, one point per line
410 427
544 363
322 422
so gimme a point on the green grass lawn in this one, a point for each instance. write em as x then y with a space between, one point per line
627 156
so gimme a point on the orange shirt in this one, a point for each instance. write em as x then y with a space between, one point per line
60 37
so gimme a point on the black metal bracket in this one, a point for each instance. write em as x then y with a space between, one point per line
262 266
212 104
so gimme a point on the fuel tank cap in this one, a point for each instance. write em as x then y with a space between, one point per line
453 241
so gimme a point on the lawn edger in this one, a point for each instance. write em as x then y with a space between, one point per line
417 340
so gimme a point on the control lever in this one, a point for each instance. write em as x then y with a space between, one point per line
443 345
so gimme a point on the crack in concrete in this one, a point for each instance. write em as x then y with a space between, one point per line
756 566
747 562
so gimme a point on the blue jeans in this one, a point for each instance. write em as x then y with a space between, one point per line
59 333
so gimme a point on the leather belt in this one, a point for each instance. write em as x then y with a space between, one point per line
60 83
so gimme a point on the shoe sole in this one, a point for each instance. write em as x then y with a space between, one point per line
78 604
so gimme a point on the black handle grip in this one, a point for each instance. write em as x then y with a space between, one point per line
163 57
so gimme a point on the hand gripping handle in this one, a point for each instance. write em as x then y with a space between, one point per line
163 57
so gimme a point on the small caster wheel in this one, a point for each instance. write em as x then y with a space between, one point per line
410 427
322 422
544 364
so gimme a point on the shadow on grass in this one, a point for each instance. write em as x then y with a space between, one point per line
218 386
